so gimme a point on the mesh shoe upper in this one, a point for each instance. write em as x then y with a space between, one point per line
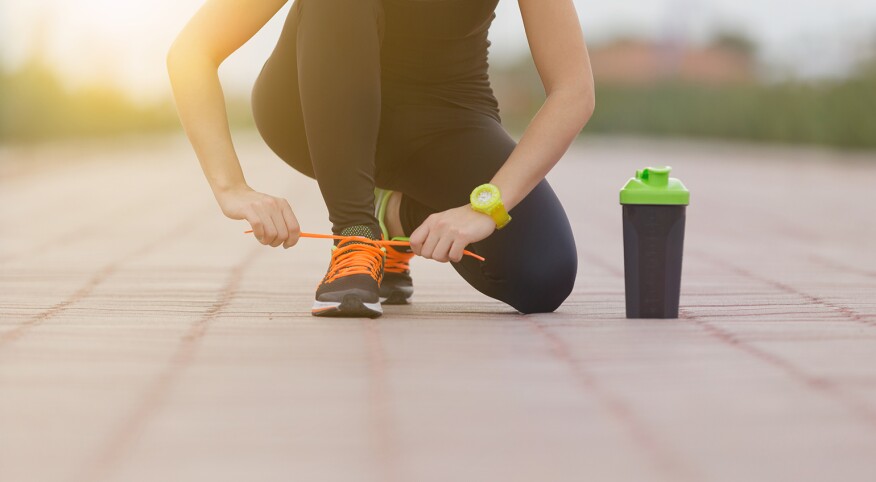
356 266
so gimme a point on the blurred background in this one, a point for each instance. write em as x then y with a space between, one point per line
753 70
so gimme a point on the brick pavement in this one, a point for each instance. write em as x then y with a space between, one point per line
144 338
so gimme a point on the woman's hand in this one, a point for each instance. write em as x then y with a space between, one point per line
443 236
271 218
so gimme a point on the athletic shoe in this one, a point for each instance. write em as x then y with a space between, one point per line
397 286
351 285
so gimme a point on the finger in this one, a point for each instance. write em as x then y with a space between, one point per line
268 222
291 224
280 224
456 251
430 243
258 227
442 249
418 237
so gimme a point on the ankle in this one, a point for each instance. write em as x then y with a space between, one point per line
393 219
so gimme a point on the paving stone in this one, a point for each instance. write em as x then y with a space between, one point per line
143 337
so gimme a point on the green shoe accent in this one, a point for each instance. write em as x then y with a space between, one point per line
653 185
396 286
381 200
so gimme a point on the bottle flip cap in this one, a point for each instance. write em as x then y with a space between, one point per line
653 185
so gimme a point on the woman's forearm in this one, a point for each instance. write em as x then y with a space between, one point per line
548 136
201 106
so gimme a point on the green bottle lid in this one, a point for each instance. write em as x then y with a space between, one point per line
653 185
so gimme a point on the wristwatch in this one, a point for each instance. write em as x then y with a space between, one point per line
487 199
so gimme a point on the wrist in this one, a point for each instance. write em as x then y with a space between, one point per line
221 188
509 196
482 214
487 199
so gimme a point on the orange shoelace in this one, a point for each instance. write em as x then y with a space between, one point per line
397 261
356 258
378 241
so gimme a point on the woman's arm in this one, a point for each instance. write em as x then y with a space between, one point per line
560 55
557 44
218 29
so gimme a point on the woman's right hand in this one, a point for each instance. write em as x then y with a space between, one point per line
272 220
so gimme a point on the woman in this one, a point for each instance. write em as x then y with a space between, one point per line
388 105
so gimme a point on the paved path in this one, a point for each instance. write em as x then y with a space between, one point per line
144 338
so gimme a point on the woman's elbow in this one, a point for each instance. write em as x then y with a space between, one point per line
586 104
175 57
185 55
579 97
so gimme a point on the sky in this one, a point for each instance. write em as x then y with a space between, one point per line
124 42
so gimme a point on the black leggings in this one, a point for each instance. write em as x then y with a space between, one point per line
318 105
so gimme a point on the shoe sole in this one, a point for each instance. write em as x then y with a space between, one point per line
396 298
351 306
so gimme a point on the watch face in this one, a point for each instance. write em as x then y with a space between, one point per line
484 196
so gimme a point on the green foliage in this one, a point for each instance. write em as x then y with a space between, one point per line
35 106
841 114
735 41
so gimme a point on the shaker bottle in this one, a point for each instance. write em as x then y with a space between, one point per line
653 222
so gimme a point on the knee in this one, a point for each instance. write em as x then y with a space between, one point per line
284 134
542 286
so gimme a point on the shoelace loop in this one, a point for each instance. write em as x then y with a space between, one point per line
356 258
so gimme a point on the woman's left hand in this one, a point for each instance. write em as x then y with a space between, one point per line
443 236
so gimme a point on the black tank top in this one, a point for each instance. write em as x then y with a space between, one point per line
436 51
